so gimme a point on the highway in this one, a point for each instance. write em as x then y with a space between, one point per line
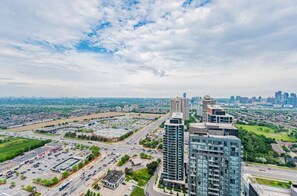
271 172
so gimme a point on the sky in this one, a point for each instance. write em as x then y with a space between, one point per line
149 48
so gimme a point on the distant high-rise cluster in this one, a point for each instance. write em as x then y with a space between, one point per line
285 98
280 99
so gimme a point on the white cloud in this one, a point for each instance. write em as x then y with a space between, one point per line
245 47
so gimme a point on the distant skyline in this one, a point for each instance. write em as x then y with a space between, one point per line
133 48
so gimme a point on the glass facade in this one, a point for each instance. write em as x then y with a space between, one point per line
173 150
214 165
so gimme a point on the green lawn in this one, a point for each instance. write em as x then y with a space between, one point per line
138 192
141 176
275 183
267 132
15 146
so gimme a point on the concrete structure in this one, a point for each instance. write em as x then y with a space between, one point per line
135 161
180 105
113 179
214 160
207 100
66 165
216 114
294 190
84 154
213 129
31 155
173 151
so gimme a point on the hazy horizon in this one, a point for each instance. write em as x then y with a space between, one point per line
133 48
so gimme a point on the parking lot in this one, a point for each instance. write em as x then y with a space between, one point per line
40 167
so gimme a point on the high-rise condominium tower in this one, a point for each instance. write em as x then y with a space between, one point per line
207 100
214 160
180 105
173 150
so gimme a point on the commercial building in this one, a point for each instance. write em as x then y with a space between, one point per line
214 160
113 179
31 155
66 165
82 155
180 105
207 100
278 97
216 114
173 151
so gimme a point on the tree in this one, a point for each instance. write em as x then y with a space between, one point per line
65 174
290 164
151 167
12 184
55 180
75 167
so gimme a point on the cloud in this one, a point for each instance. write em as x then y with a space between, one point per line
148 48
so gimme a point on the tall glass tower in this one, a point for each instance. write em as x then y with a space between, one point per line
214 162
173 150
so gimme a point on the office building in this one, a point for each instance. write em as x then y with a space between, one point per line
214 160
180 105
113 179
207 100
173 152
292 99
278 97
216 114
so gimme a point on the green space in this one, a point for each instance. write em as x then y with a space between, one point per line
257 148
46 182
123 160
269 132
84 130
138 192
275 183
150 143
141 176
145 156
3 181
29 188
11 147
91 193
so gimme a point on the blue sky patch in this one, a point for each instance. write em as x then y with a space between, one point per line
142 23
87 46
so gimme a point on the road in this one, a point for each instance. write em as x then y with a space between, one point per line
271 172
149 190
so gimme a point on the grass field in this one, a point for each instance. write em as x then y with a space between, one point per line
275 183
141 176
15 146
268 132
138 192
